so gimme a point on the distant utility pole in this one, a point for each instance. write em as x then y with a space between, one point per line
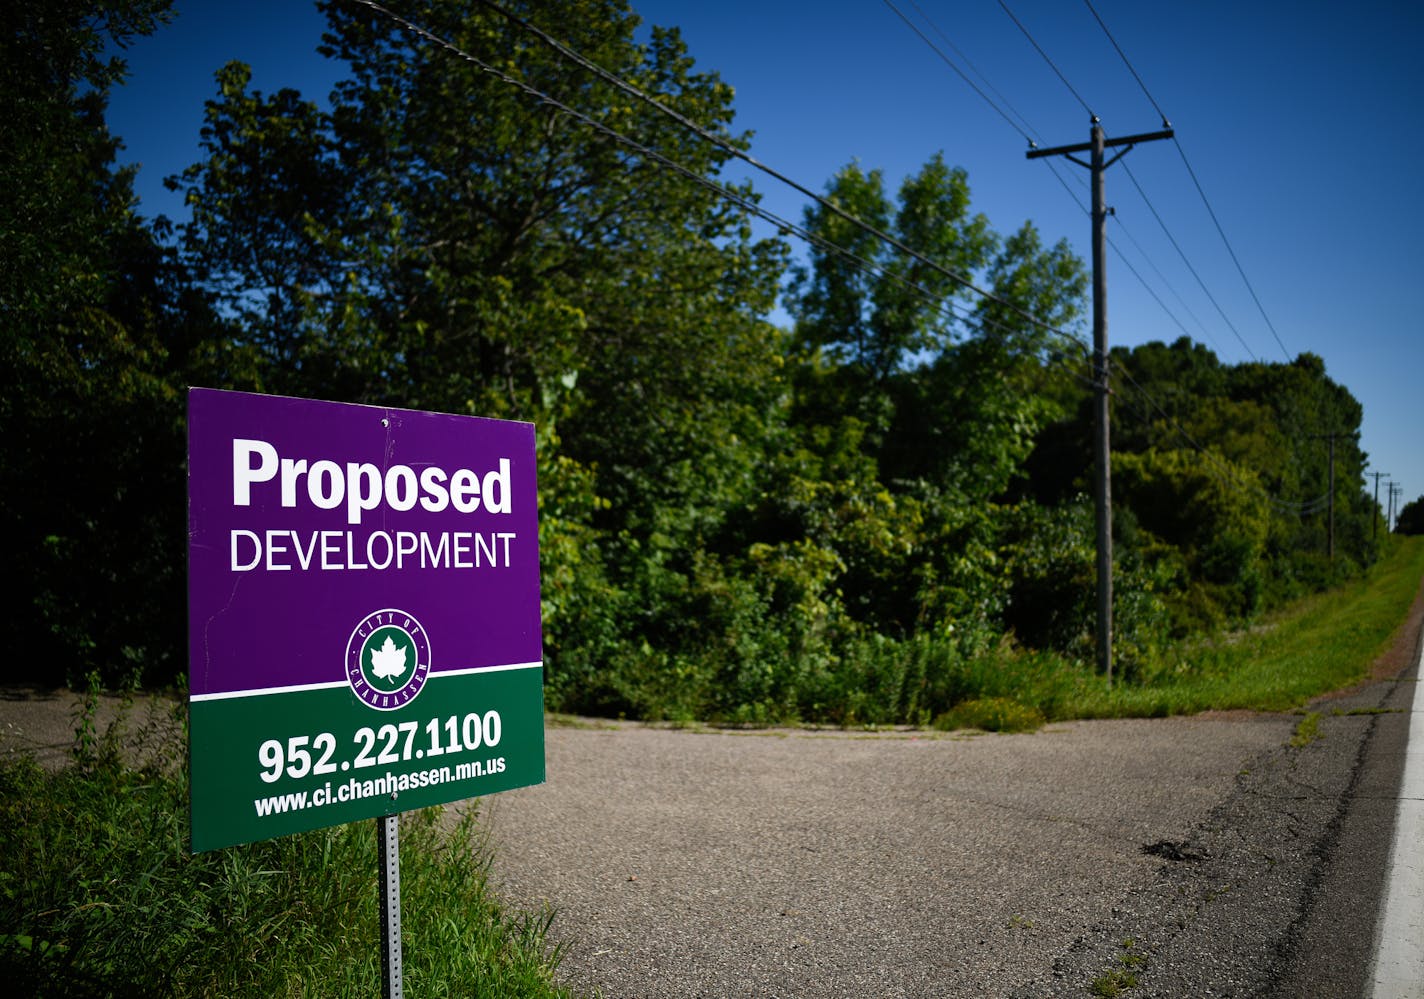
1330 545
1374 521
1395 489
1096 145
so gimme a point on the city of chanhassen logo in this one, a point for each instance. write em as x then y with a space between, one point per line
388 659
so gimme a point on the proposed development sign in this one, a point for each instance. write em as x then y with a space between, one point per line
364 628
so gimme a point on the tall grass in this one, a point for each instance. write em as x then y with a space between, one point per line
100 897
1316 645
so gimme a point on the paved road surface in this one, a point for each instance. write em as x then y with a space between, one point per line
1203 855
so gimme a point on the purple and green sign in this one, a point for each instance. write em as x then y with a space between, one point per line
363 601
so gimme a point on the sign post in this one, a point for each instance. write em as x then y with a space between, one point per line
364 623
393 984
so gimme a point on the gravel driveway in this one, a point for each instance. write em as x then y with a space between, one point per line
827 864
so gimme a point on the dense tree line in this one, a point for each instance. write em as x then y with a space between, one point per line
737 520
1410 519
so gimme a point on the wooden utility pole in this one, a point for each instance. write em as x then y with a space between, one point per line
1096 146
1374 521
1330 547
1330 543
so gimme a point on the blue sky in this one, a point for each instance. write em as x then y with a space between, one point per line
1300 120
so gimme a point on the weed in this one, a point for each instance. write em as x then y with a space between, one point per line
1306 731
1118 981
99 895
1114 983
992 714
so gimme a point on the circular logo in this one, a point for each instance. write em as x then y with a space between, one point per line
387 659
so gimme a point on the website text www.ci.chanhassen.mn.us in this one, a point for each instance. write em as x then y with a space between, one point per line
356 789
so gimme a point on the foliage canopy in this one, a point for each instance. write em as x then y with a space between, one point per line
836 520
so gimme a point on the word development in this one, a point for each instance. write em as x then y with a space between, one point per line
285 550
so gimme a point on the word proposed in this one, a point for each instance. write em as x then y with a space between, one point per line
362 486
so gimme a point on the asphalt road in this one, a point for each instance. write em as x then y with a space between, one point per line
1202 856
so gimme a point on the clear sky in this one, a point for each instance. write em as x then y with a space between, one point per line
1301 121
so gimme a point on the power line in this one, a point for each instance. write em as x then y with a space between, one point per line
1287 506
1201 326
946 306
941 304
717 140
1193 174
1051 64
1127 62
1182 253
1025 130
1147 287
1234 259
1028 132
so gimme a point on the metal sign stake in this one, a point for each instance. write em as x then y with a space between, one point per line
388 833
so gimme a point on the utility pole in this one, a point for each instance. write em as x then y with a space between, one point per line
1374 521
1330 544
1395 490
1096 146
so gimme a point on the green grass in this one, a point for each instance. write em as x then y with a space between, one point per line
1120 980
1316 645
1306 731
100 897
992 714
1323 643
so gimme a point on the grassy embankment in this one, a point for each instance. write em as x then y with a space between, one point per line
1314 646
99 896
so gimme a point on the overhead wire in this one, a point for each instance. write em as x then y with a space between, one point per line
1130 68
1234 259
1020 126
1034 42
1027 132
1024 128
1182 253
720 141
945 306
1181 151
1051 64
743 202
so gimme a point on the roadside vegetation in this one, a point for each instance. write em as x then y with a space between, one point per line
100 897
876 512
1312 646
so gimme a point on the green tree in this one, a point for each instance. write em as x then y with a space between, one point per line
1410 519
934 386
94 319
869 308
439 238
